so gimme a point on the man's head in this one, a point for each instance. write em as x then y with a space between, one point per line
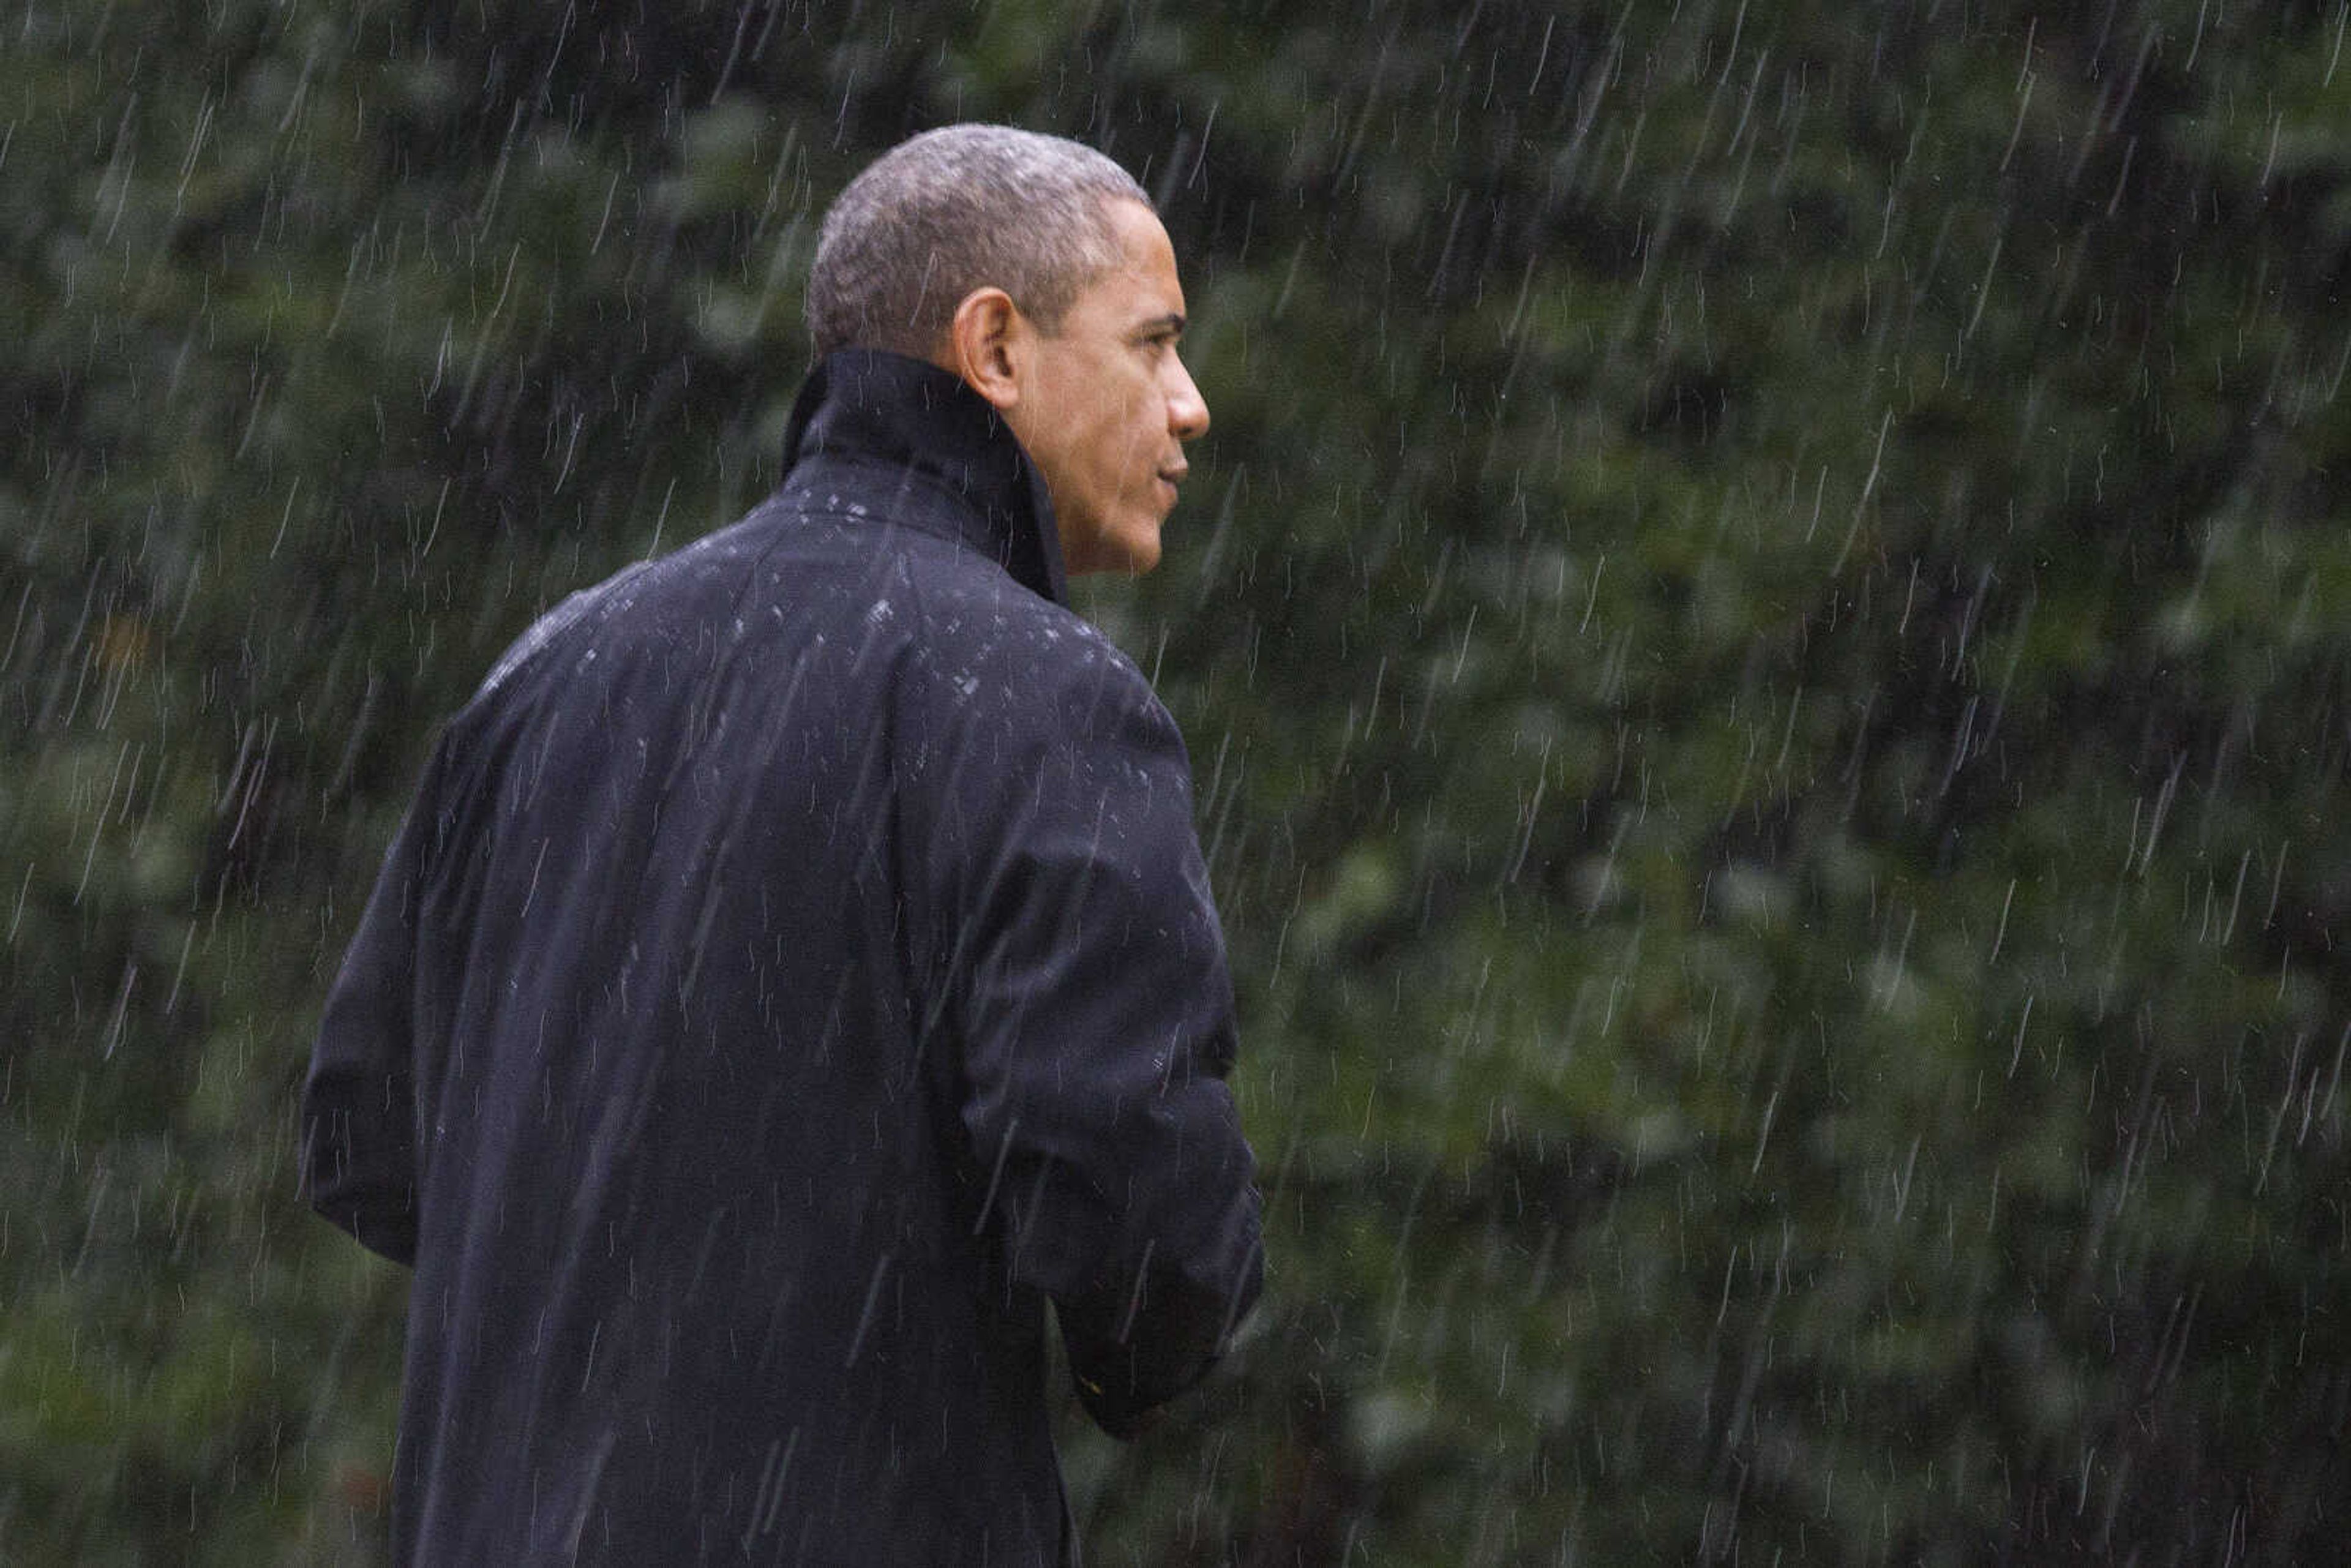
1035 270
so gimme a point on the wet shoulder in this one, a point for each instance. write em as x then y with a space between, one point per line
981 642
656 600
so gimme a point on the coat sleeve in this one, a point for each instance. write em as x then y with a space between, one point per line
359 1102
1094 1014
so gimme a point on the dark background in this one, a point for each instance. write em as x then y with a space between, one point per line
1763 629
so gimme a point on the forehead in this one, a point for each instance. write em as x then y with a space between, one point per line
1142 281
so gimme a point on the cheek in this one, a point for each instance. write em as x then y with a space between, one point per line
1144 419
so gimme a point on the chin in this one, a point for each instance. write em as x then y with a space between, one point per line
1133 551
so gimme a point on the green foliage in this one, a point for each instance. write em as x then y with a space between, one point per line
1762 631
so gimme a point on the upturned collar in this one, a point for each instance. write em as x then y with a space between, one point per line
962 474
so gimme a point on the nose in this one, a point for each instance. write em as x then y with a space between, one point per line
1187 411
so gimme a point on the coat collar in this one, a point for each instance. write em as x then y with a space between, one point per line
963 475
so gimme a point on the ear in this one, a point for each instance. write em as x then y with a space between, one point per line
985 343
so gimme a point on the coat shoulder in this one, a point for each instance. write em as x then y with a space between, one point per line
978 638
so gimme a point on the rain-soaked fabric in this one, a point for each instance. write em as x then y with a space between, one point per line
797 965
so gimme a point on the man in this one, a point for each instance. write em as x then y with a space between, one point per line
797 965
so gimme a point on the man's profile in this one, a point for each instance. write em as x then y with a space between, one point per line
797 967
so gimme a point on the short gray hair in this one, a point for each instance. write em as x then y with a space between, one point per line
952 210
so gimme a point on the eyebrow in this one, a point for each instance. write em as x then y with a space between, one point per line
1171 322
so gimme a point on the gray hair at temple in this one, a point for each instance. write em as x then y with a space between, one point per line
952 210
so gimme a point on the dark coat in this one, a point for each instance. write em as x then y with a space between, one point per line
797 966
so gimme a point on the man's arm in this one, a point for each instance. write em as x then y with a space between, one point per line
1134 1346
1095 1015
359 1104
